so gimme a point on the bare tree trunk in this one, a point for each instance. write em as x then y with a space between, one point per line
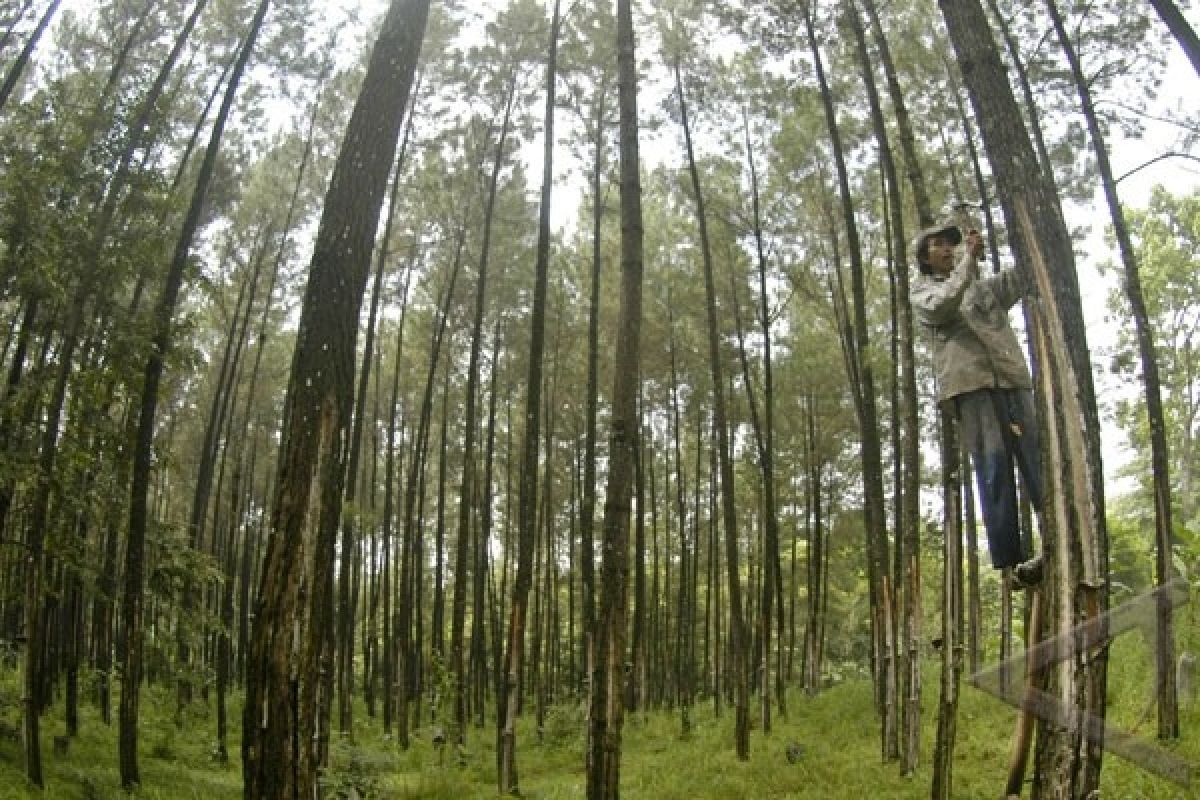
1028 98
863 385
18 66
132 600
1181 29
467 493
951 646
587 510
482 574
1164 651
908 140
604 756
509 702
344 670
210 448
407 666
811 678
635 695
1074 533
36 618
771 606
285 696
908 541
686 625
738 651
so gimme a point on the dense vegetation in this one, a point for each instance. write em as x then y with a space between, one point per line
329 428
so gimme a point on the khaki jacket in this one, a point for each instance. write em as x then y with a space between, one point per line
974 346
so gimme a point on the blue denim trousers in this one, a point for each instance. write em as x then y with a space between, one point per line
999 430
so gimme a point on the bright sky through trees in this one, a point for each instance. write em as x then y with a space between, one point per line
1176 96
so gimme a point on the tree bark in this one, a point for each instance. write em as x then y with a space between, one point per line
863 385
1181 29
738 648
1160 463
132 596
18 67
293 626
952 609
1074 534
509 700
604 757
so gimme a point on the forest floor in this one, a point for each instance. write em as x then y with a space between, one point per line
833 740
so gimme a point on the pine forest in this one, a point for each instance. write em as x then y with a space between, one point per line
672 400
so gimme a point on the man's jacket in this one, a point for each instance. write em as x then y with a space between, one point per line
974 347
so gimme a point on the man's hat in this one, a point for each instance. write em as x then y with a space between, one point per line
921 243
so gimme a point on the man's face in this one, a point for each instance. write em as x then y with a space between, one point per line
941 254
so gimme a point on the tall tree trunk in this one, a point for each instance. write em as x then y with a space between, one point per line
772 585
164 312
9 425
391 571
908 140
587 576
604 756
908 644
863 384
36 616
1028 97
1168 701
346 604
483 544
467 494
18 66
1181 29
738 651
635 689
214 428
952 596
817 588
686 628
1074 534
509 700
293 626
407 666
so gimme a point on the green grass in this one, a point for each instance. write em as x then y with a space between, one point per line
837 731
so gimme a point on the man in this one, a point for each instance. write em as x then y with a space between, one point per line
983 378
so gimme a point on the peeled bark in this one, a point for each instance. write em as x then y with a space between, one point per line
1164 650
293 627
1074 534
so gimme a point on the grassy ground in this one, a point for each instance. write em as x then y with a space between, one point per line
835 733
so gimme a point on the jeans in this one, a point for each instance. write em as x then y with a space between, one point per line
999 427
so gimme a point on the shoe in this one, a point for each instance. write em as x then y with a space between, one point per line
1028 574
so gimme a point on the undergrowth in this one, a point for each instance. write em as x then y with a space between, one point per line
825 747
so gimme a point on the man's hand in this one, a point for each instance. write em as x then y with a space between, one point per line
974 243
